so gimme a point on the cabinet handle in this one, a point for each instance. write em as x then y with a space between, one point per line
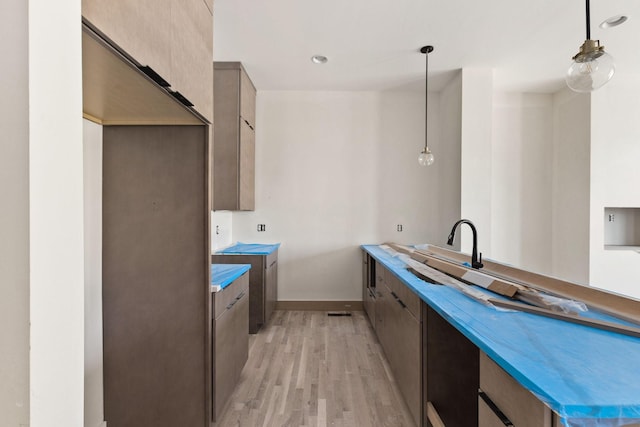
495 408
433 417
394 295
232 304
151 73
401 303
239 297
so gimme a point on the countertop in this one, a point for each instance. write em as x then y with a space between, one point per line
224 274
249 249
588 376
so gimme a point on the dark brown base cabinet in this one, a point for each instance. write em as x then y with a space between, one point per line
263 284
398 325
444 378
430 360
230 343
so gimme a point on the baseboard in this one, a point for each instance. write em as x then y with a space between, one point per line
320 305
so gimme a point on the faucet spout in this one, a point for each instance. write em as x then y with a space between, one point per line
476 262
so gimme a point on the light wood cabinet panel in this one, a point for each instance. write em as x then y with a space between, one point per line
247 100
234 138
139 28
247 167
172 37
516 402
231 341
209 4
192 54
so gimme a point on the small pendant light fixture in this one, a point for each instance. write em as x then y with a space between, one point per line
592 67
426 157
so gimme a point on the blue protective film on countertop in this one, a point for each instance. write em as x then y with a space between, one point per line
590 377
250 249
224 274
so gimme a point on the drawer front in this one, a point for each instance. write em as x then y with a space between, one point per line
271 259
402 292
230 352
517 403
228 295
487 417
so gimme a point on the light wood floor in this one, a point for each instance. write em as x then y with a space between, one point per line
309 369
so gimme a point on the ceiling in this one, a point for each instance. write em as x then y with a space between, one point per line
374 44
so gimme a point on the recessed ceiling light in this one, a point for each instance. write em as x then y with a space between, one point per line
614 21
319 59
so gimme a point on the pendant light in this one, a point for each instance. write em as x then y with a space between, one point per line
426 157
592 67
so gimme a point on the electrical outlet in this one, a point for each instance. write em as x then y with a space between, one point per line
399 227
612 217
262 227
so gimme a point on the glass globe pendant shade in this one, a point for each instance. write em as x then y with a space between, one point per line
426 157
591 69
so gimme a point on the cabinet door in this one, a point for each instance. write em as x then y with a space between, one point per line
231 349
517 403
140 28
247 99
247 167
271 288
192 54
404 354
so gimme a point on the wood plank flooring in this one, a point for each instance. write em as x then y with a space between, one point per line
309 369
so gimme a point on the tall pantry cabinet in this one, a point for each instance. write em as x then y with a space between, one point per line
148 80
234 134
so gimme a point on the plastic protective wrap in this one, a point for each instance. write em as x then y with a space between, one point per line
589 377
223 274
249 249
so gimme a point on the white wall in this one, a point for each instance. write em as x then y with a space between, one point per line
93 366
405 192
14 215
449 161
615 178
316 160
571 187
221 229
335 170
521 202
56 214
476 155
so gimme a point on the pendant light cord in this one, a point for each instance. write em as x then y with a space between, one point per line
588 21
426 100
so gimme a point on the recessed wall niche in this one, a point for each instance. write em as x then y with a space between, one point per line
622 228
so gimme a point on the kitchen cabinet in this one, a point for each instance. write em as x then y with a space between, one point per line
450 369
503 398
230 343
171 40
155 283
404 344
263 280
368 287
398 325
234 138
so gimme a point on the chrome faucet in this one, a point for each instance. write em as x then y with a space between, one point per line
475 261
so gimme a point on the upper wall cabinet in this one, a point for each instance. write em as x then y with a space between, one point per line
171 40
234 138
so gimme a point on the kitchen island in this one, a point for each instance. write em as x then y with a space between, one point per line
537 371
